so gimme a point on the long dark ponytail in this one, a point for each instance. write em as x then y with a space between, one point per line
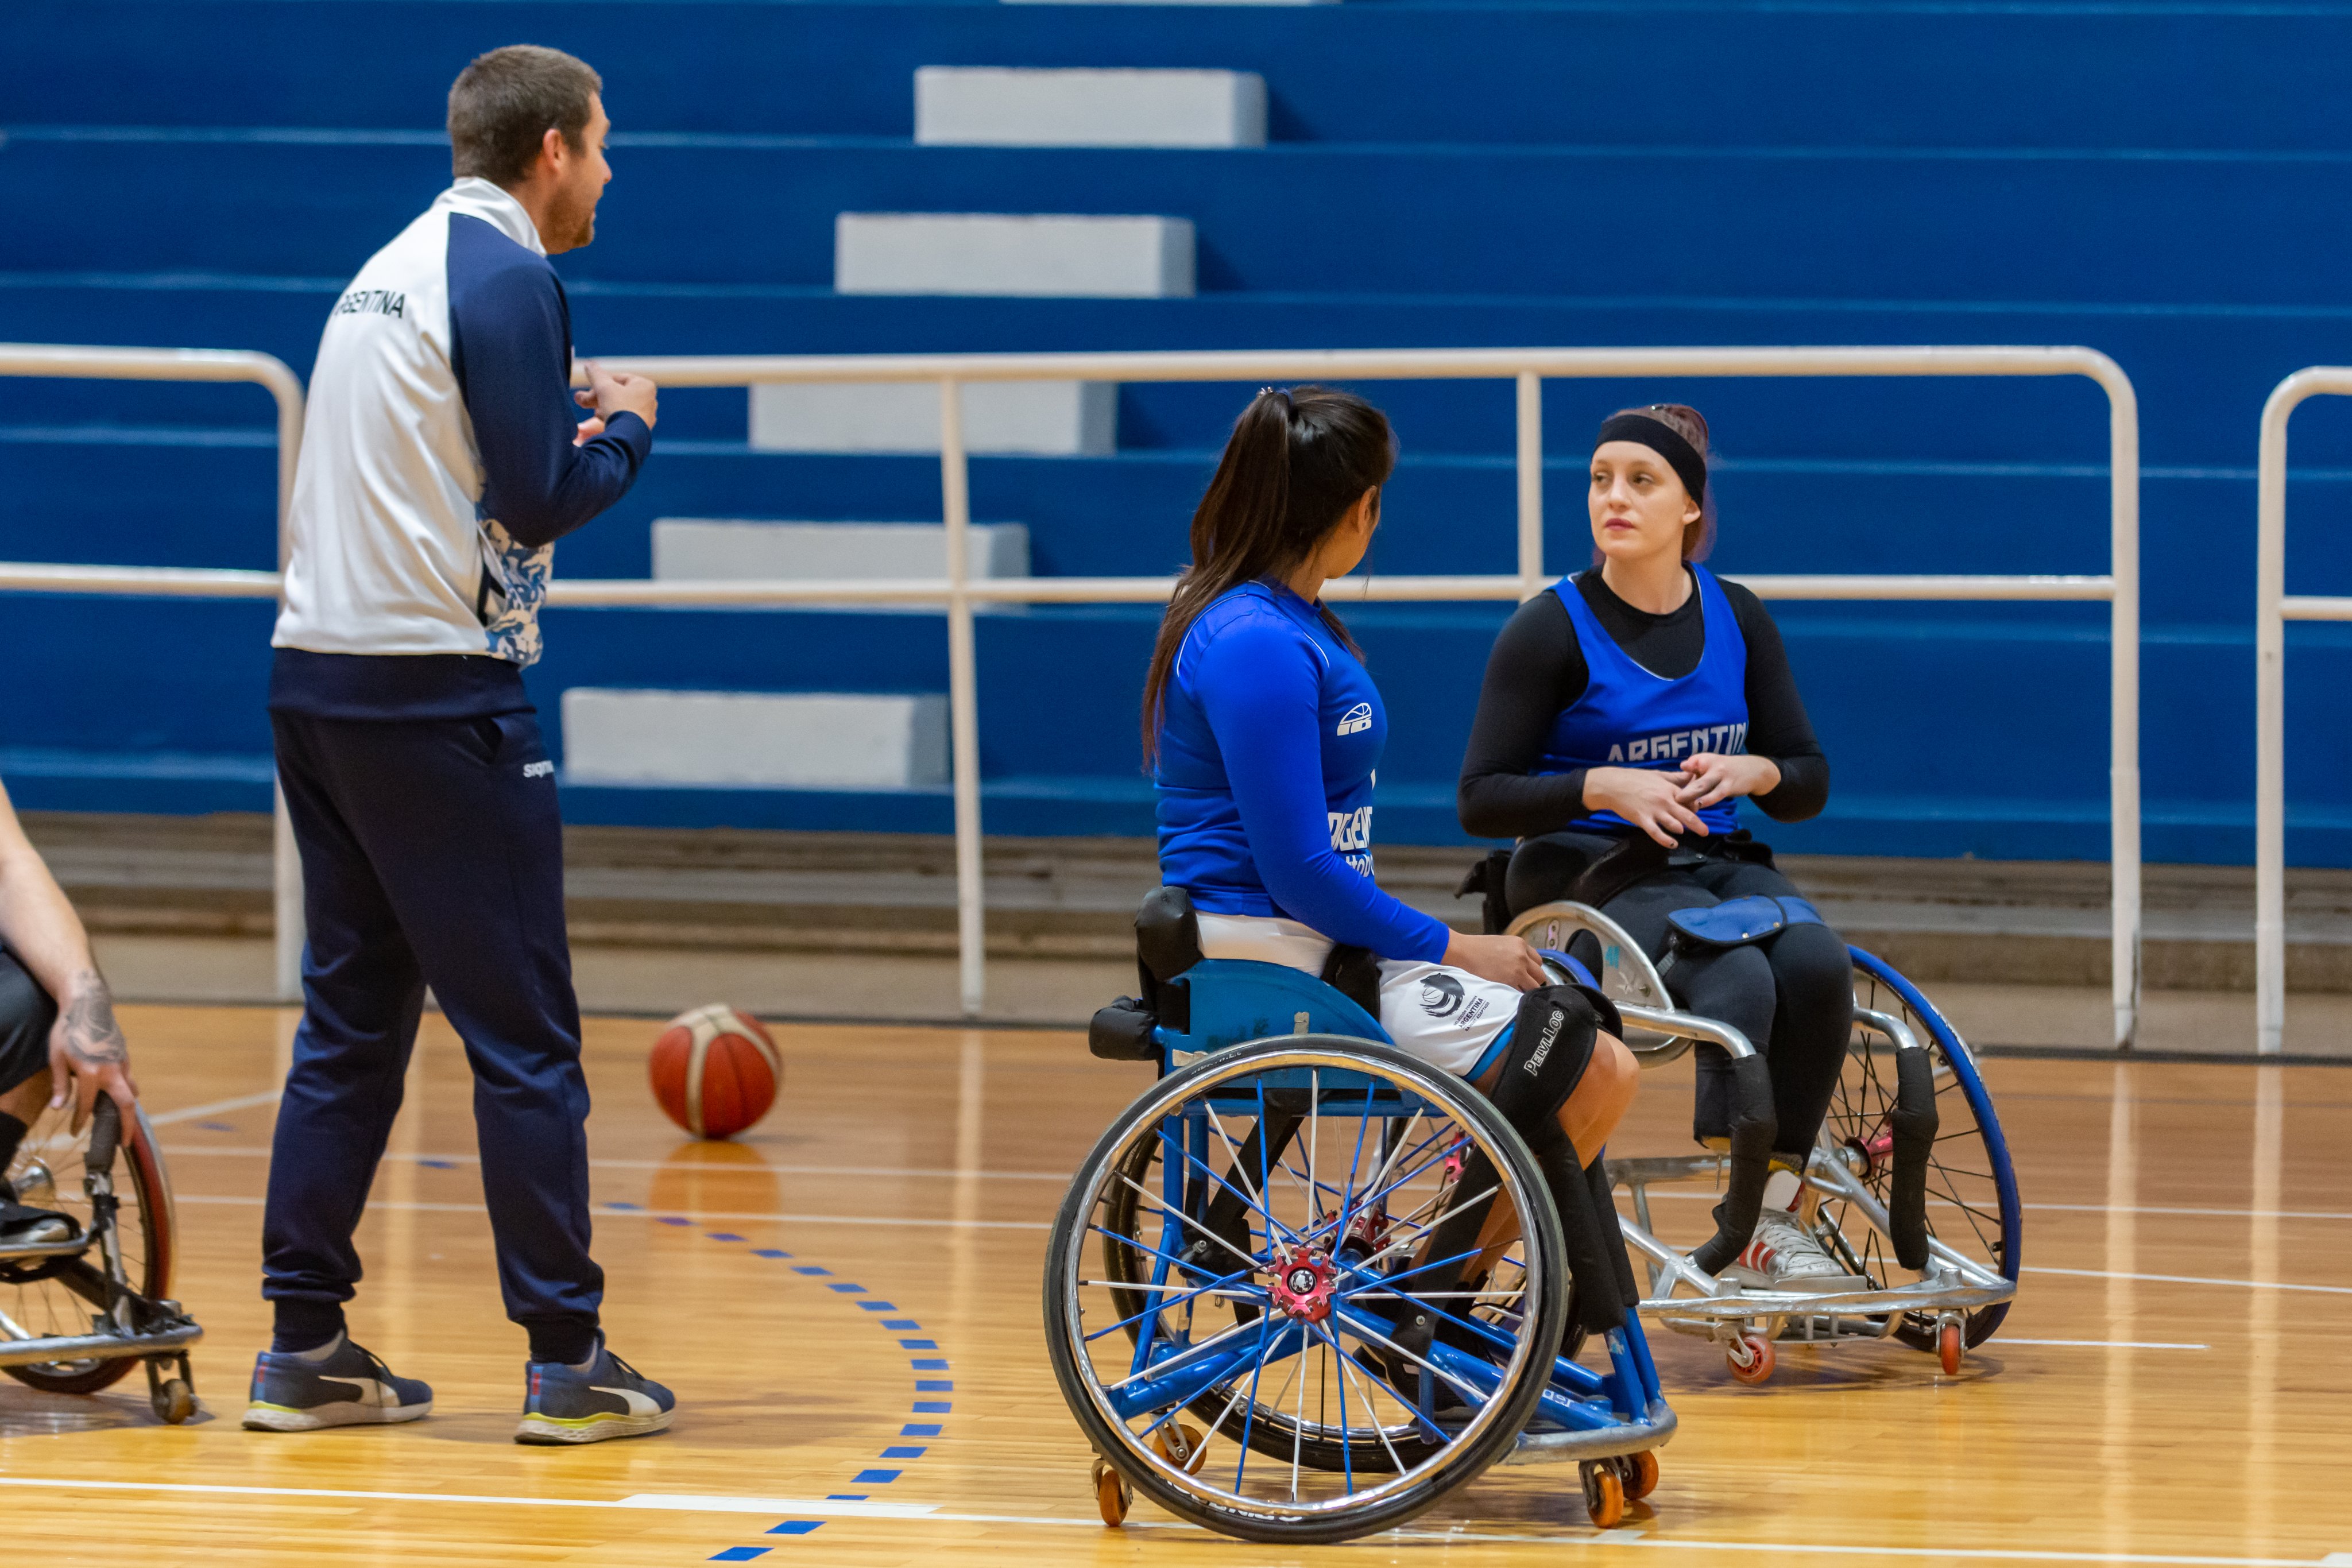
1294 463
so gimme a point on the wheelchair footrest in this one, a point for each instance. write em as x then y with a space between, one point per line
173 1332
1604 1443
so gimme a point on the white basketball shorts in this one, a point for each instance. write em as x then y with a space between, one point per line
1448 1017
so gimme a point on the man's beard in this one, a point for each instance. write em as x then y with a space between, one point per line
575 227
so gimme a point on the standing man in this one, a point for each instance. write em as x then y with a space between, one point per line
440 463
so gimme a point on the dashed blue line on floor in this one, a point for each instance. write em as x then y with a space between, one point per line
934 1385
769 1252
922 1365
901 1451
877 1307
618 1204
873 1478
722 1236
844 1497
900 1323
797 1527
918 1344
809 1269
919 1429
217 1127
931 1407
738 1554
438 1164
847 1290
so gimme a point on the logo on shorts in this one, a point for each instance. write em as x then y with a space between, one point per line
536 770
1441 996
1355 720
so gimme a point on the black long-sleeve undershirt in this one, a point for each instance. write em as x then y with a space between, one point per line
1538 670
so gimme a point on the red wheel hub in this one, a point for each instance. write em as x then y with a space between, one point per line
1302 1285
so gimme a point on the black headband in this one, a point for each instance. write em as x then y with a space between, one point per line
1663 439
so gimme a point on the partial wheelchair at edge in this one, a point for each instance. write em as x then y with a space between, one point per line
1910 1184
1225 1282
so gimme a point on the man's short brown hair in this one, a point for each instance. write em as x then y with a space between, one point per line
504 104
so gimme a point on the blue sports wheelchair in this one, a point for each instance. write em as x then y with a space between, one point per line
1222 1288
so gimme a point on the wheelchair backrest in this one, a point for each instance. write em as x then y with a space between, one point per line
1233 1001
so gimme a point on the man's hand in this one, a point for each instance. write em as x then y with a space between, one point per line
1653 801
610 392
87 1051
1715 778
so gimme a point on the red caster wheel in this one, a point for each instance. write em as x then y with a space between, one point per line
1640 1474
1751 1357
1112 1494
1182 1445
1949 1348
1604 1494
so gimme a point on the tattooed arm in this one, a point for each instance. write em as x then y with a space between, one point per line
88 1054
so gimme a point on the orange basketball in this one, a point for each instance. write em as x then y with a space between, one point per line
715 1070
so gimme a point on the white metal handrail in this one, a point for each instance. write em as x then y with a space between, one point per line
78 362
2272 610
1526 367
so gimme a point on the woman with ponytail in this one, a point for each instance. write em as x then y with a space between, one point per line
1264 731
1624 716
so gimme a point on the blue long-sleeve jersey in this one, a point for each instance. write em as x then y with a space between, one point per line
1271 735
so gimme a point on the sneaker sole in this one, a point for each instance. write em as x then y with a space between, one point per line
558 1431
260 1418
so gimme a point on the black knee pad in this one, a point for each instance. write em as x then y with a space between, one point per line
1551 1045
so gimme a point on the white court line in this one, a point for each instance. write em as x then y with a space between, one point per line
928 1515
682 1503
2192 1280
189 1113
694 1213
749 1167
2105 1344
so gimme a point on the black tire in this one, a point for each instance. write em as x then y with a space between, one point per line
1432 1468
47 1300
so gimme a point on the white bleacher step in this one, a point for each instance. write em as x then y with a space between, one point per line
1059 256
990 106
705 549
773 740
1039 419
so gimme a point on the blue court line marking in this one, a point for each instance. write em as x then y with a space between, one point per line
676 1219
217 1127
619 1204
794 1527
844 1497
438 1164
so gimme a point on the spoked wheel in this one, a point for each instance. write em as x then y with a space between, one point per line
1273 1316
60 1296
1972 1202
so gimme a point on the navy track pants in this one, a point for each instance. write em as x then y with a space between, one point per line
432 854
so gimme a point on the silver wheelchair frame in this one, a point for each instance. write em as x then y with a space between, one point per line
1689 1298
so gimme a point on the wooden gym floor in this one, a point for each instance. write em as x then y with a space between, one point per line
2175 1385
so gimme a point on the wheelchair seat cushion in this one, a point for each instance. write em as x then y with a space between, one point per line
1740 921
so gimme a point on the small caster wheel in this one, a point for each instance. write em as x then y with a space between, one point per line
1182 1445
1640 1474
1751 1357
1604 1494
174 1401
1950 1346
1112 1494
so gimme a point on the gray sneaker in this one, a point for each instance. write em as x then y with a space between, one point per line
349 1388
611 1399
1784 1256
23 1227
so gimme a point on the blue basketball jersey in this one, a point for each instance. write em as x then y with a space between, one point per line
1629 717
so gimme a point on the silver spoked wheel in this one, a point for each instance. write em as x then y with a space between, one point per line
1229 1283
59 1296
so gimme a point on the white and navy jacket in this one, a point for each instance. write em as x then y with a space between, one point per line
437 471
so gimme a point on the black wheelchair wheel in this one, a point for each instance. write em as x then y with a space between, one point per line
1274 1332
61 1296
1972 1201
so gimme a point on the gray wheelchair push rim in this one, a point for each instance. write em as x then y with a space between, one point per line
1370 1502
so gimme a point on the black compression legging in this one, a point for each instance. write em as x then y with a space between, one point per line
1791 995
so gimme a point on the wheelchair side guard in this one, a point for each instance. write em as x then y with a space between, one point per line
1753 1124
1235 999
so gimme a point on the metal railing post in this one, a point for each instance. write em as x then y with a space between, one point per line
963 705
2123 650
1531 480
